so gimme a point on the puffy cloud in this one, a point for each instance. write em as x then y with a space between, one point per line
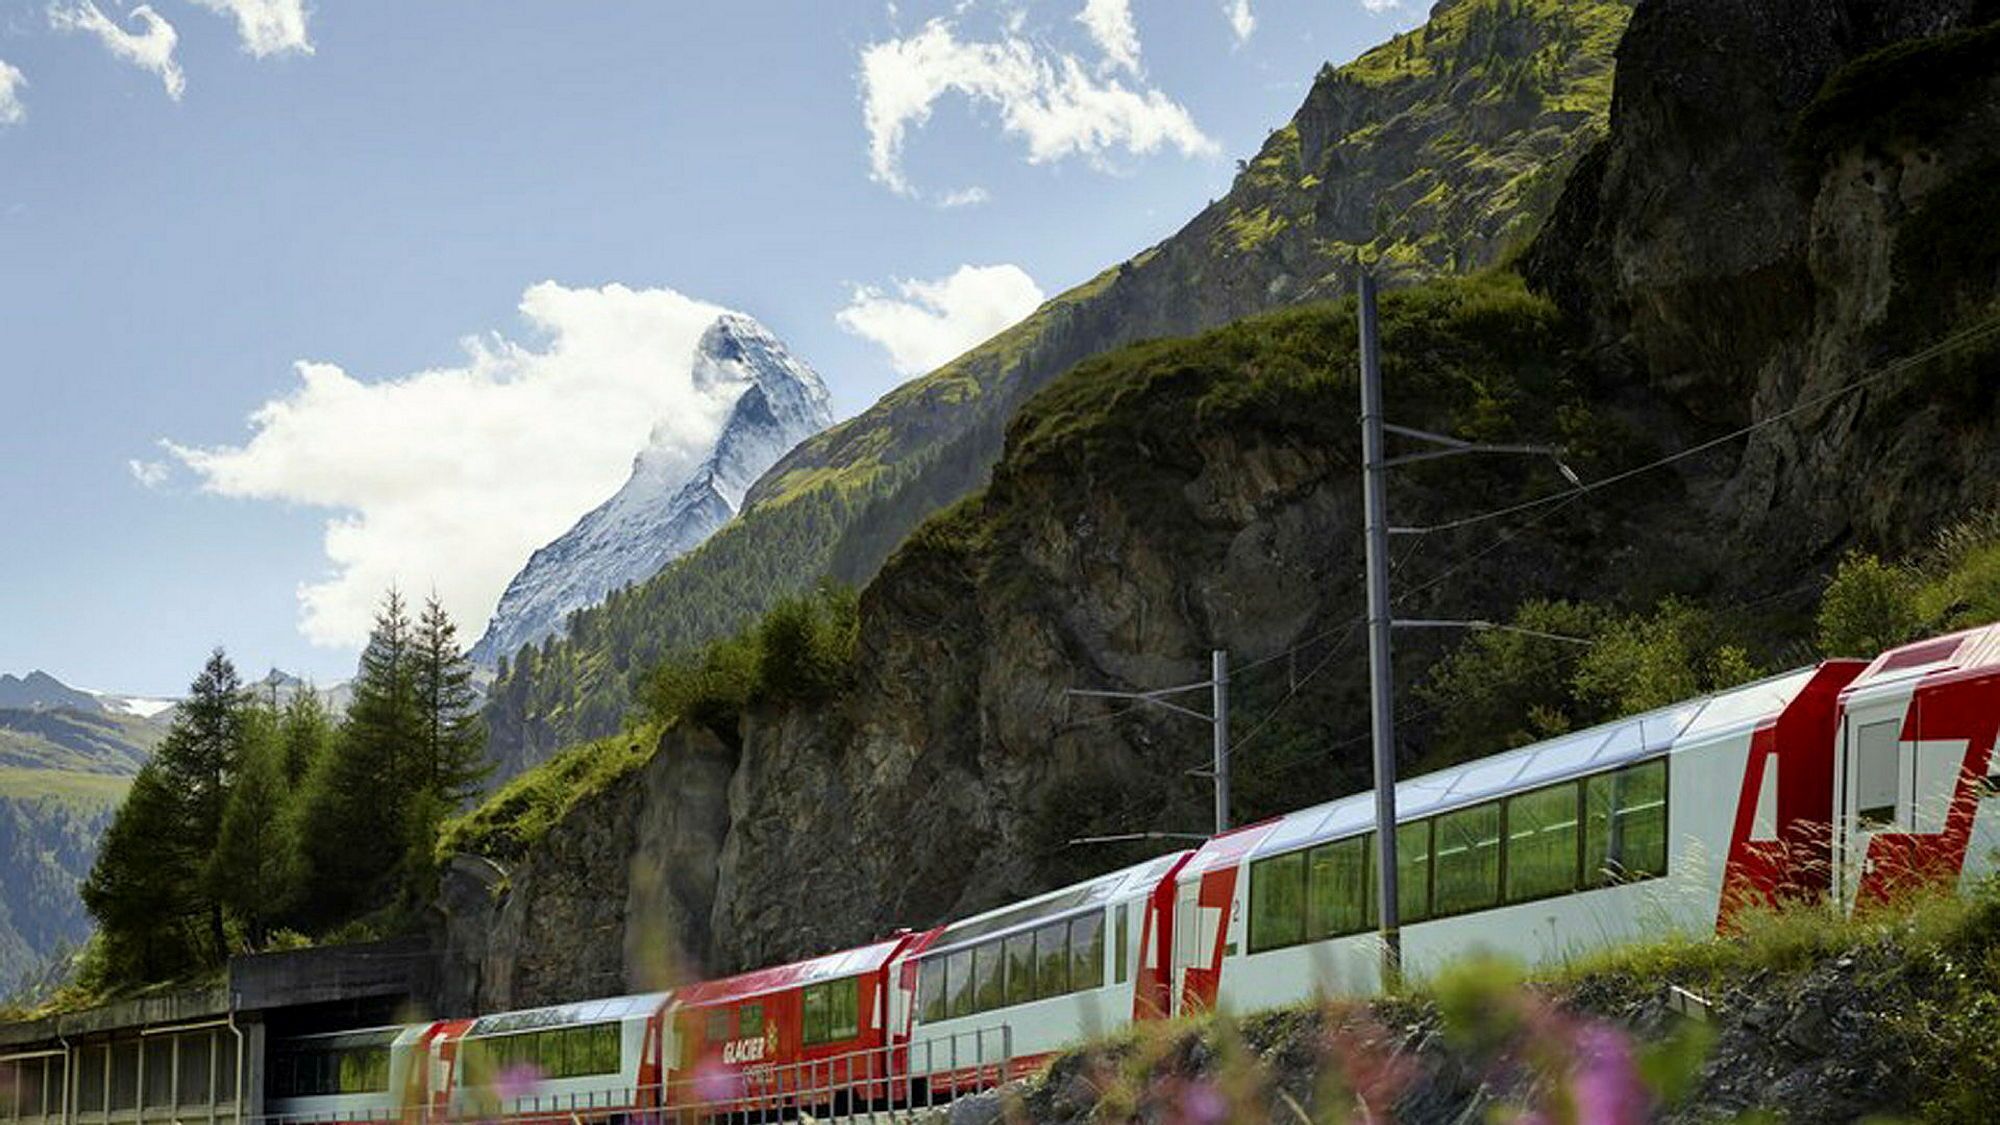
1110 25
149 48
1242 22
1380 6
929 323
1047 98
268 27
12 110
965 197
449 478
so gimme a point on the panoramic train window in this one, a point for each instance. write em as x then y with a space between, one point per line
1413 873
1541 843
324 1070
1277 901
1625 822
1052 957
960 979
989 969
1468 859
1337 888
932 1002
1086 951
1021 967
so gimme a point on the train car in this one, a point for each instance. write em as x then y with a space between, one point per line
1917 790
368 1074
594 1061
1669 820
817 1034
1013 985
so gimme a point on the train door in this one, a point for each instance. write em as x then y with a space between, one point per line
1877 794
1187 906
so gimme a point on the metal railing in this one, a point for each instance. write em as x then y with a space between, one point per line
880 1084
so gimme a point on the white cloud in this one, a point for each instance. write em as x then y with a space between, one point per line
1047 98
268 27
12 110
1110 25
1242 22
932 322
151 474
449 478
150 48
965 197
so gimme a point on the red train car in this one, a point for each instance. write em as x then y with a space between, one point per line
823 1033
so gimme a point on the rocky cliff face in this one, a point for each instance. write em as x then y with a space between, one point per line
1788 199
663 511
1436 153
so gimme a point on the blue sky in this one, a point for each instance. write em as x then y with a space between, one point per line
368 185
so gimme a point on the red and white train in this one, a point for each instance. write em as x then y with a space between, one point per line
1850 781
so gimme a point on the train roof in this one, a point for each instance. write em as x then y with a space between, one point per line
798 974
1558 759
1138 879
566 1015
1969 652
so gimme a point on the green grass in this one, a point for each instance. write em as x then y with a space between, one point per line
72 788
516 818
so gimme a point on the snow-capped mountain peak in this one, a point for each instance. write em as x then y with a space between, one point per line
663 511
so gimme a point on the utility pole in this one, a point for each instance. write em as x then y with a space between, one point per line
1217 719
1375 465
1219 680
1381 686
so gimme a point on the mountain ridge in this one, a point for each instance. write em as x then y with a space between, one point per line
1437 152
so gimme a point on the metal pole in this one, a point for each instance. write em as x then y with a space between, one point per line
1380 683
1219 661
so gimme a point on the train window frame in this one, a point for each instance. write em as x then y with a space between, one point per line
960 985
1086 958
750 1021
1324 918
989 975
1497 809
843 1009
1409 910
1599 873
813 1022
933 990
1019 955
1520 804
1265 934
1052 959
715 1027
1873 756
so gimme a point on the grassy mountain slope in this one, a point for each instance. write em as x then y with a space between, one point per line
1437 152
62 774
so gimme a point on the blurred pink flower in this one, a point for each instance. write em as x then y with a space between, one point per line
521 1080
1606 1085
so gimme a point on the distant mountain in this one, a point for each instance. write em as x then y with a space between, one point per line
279 687
663 511
66 758
39 691
1439 152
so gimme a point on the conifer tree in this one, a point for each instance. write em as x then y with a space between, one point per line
143 890
249 870
305 731
353 830
452 761
198 761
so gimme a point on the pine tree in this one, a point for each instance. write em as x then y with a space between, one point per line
305 731
250 868
453 759
197 762
354 827
143 888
